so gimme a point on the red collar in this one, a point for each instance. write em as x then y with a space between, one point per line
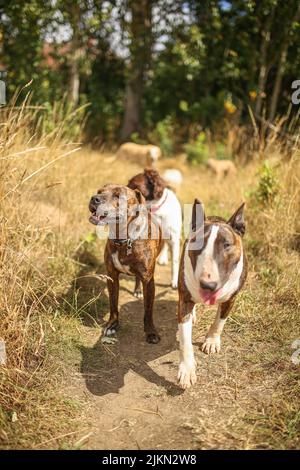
154 209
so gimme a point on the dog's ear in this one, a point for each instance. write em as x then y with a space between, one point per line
237 222
156 181
139 196
130 183
198 215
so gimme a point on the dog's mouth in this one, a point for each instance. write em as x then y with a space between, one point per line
209 297
103 219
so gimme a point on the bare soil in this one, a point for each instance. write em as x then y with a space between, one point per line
129 391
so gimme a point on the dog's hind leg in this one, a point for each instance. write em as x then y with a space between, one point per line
137 288
149 328
212 343
113 290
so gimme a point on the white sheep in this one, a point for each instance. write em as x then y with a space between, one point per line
144 155
172 177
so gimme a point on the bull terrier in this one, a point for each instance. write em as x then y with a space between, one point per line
213 269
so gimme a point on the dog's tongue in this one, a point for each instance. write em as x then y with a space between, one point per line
209 298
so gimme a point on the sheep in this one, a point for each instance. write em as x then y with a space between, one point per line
221 168
172 177
145 155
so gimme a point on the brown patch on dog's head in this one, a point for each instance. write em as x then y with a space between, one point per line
198 215
139 196
216 251
149 183
237 222
114 203
227 251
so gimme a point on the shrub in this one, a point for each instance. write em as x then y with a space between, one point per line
222 152
198 150
163 135
268 185
135 137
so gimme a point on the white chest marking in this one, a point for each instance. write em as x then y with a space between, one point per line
192 277
120 267
167 212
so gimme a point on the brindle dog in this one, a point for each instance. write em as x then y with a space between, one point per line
132 248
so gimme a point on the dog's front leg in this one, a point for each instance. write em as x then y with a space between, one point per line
175 248
187 367
149 328
163 256
137 288
212 343
113 290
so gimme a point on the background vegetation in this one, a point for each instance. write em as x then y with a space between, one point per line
154 69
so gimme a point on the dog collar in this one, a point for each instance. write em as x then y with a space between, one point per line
123 241
154 209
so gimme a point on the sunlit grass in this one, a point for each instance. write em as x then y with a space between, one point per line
45 185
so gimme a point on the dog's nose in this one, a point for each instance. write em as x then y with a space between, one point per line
208 285
96 199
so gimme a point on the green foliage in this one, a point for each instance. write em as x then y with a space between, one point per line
135 137
268 185
197 151
63 119
222 152
207 51
163 135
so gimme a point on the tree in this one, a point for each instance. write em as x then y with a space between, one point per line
83 18
291 24
264 65
22 25
140 32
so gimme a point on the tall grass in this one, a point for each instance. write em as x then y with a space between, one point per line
29 153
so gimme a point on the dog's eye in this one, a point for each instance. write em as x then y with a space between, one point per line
226 245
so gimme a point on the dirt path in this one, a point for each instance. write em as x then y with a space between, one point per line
129 389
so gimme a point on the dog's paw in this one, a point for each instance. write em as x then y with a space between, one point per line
108 340
152 338
174 284
211 345
110 330
187 375
138 294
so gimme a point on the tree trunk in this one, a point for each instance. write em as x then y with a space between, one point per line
278 80
140 50
133 101
281 68
74 55
74 82
264 68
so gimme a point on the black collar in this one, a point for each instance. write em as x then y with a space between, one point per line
123 241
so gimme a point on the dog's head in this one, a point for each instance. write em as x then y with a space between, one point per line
217 259
149 183
154 154
115 204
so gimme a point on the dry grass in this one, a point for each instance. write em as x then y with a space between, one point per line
44 191
29 239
